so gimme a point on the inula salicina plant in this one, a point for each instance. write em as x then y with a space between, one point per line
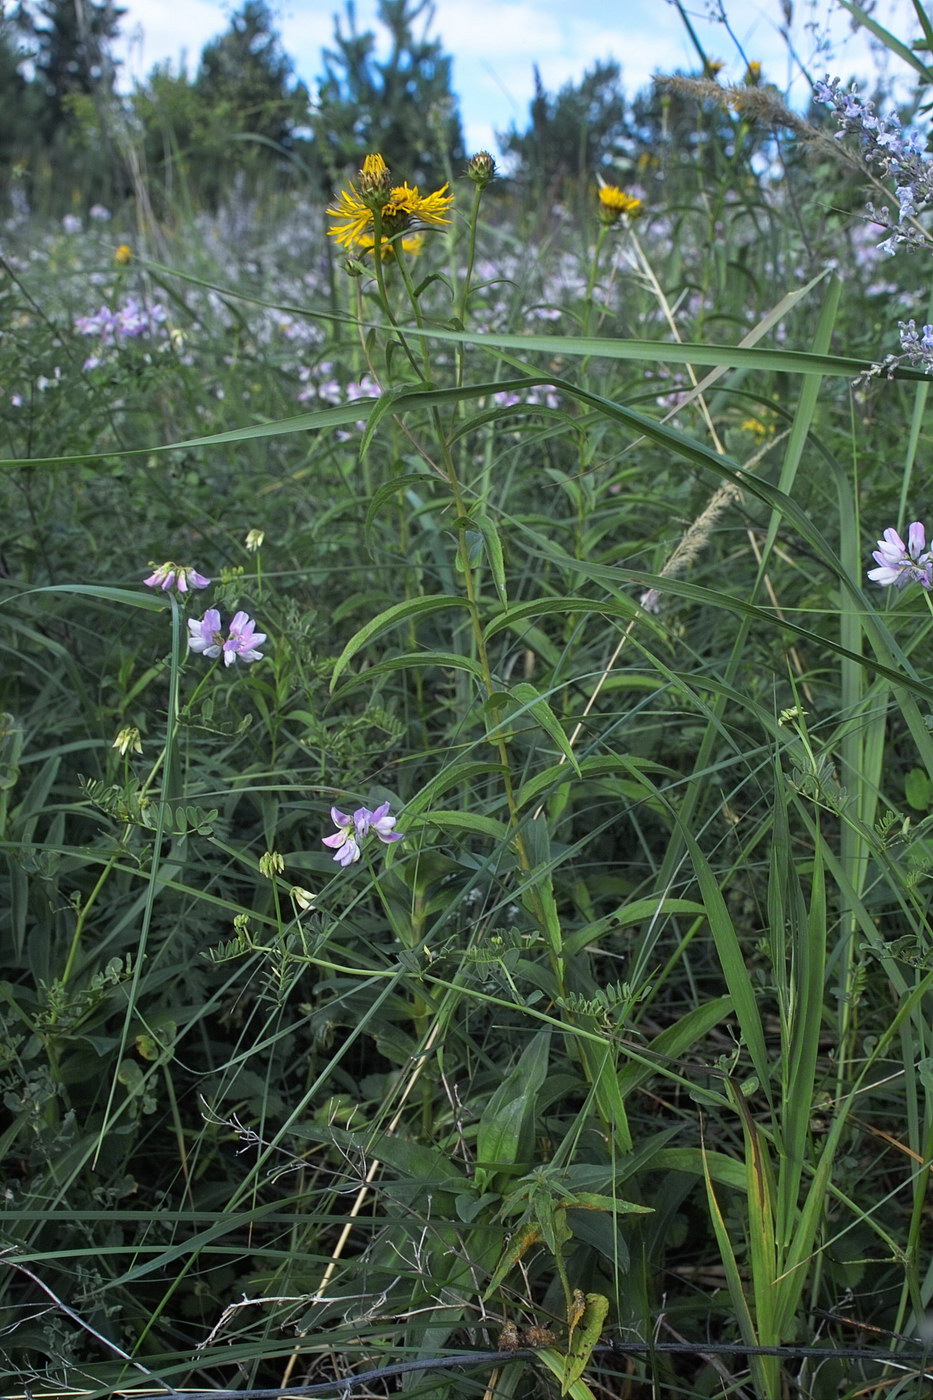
465 783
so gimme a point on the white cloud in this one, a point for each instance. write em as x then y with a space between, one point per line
153 31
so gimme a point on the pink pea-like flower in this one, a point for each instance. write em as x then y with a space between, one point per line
206 637
900 563
346 842
343 842
242 640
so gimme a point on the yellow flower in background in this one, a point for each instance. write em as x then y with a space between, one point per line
615 204
123 255
757 428
412 245
403 207
753 74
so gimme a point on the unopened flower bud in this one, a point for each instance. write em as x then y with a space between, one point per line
375 182
254 539
272 863
481 169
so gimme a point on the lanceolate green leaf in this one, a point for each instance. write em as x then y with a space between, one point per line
410 609
530 699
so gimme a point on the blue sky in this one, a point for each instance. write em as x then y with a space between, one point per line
495 43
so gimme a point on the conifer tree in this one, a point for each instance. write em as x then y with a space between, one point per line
71 42
20 103
401 106
247 80
574 134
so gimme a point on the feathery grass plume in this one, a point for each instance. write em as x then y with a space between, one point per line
758 104
698 534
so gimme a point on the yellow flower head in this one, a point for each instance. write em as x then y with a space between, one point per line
615 204
403 207
123 255
753 74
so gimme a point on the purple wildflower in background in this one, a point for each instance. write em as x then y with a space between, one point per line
900 156
169 575
900 563
895 153
347 840
131 321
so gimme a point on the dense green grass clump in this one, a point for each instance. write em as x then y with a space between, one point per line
605 1014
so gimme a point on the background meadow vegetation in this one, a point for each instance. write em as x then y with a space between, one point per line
619 1062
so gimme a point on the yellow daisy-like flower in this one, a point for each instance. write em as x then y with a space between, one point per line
615 203
403 207
123 255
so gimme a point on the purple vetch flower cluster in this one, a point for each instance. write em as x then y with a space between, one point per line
900 563
206 635
346 842
131 321
178 576
895 153
239 643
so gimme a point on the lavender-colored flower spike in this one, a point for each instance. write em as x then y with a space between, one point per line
894 153
900 563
